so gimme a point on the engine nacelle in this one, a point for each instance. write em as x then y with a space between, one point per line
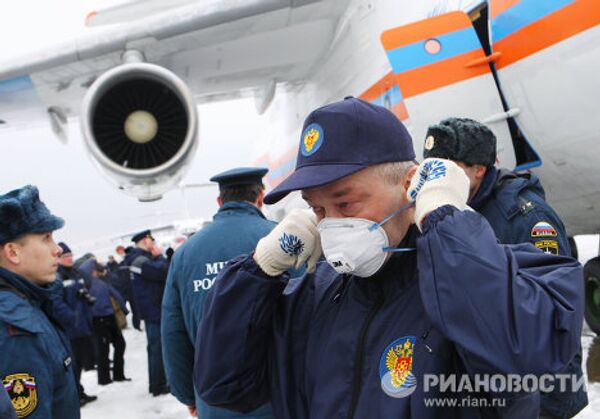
140 125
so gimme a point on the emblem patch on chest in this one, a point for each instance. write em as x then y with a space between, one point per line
22 391
395 368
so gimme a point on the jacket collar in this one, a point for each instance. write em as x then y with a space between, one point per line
485 190
238 207
17 311
399 272
34 293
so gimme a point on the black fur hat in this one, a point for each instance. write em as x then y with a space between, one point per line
22 212
461 139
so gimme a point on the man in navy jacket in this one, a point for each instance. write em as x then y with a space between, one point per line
36 367
72 307
516 208
415 289
148 275
235 230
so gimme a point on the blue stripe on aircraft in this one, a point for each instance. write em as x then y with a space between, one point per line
283 169
522 14
16 84
414 55
394 95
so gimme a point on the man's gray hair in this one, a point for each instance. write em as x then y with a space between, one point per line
394 172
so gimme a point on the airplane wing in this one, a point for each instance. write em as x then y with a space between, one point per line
221 48
141 68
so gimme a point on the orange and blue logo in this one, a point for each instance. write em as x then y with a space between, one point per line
312 139
395 368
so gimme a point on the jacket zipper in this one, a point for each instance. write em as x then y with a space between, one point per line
358 361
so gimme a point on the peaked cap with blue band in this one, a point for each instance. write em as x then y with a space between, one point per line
240 176
141 235
65 248
343 138
22 212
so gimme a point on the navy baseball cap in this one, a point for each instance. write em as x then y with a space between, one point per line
343 138
240 176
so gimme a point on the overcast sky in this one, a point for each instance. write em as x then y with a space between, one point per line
68 181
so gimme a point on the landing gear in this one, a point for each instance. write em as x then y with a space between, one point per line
592 294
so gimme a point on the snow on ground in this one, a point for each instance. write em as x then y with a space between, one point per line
588 341
130 400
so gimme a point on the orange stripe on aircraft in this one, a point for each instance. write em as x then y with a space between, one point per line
273 165
556 27
498 7
440 74
418 31
400 111
379 88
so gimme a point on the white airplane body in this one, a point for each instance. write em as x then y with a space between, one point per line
527 68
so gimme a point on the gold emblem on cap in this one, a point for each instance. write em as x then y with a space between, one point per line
429 142
310 139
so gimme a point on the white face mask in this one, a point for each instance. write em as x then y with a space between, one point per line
355 245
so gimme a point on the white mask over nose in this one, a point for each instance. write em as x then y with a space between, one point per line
355 245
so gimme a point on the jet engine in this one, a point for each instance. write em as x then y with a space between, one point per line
140 124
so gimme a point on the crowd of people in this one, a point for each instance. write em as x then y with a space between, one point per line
398 270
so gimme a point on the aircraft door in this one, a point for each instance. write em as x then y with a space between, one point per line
548 61
443 71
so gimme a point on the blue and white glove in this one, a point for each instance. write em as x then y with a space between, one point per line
436 183
294 242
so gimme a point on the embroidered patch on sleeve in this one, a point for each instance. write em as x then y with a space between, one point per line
22 390
543 229
547 246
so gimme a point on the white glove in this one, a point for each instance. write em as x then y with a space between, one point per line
294 242
436 183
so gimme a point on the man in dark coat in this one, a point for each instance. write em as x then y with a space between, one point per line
415 289
72 307
235 230
106 330
516 208
36 366
148 269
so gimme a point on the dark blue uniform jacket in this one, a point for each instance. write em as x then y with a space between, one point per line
148 276
333 346
235 230
73 312
7 411
516 208
514 205
102 290
35 361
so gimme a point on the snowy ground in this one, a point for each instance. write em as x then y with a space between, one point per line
131 400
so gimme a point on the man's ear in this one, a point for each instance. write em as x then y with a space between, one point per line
219 201
481 171
408 176
11 253
259 199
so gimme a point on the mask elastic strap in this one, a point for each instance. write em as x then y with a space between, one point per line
388 218
398 249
